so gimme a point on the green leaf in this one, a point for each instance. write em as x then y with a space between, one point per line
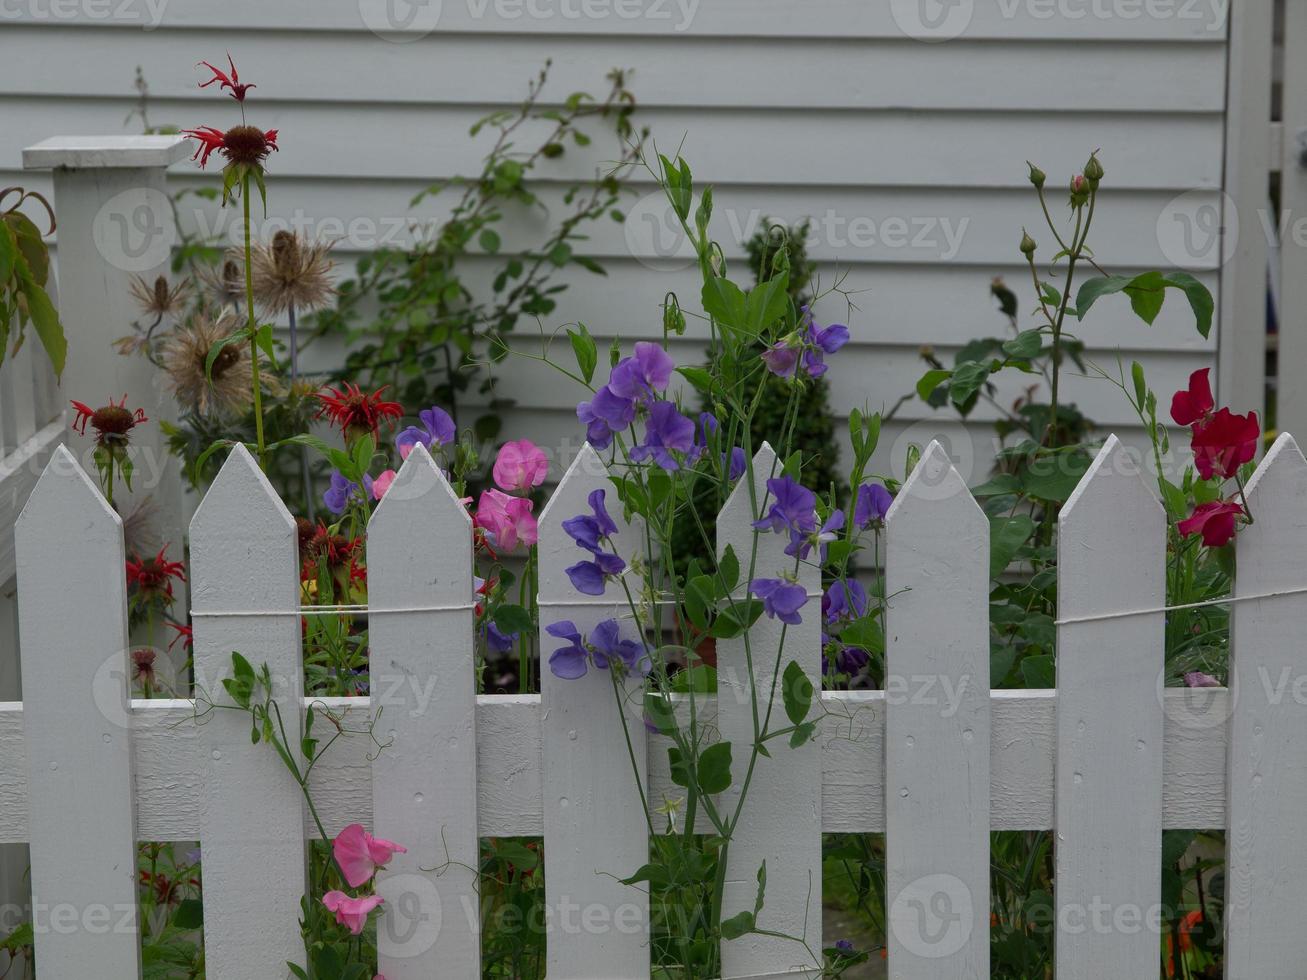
489 240
796 690
762 889
701 678
766 303
997 486
802 733
8 253
735 618
46 321
1025 345
1038 672
700 378
586 351
364 448
513 619
700 596
678 768
1199 296
967 380
189 914
1092 289
1054 477
660 712
1006 536
724 302
1146 292
715 768
737 925
728 570
930 381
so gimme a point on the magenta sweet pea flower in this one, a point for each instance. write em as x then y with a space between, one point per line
382 483
359 854
1196 678
520 465
506 519
352 913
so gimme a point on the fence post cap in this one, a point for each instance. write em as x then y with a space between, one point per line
93 152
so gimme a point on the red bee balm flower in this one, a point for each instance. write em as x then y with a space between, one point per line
234 83
240 144
1214 521
111 423
357 411
1224 442
1188 407
152 577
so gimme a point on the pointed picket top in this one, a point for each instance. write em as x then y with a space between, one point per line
241 503
764 461
558 551
935 484
1114 480
1283 469
735 522
65 493
421 515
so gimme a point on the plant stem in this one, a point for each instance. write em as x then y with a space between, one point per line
253 328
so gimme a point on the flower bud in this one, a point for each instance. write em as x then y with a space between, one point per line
1093 171
1027 244
1037 176
1079 190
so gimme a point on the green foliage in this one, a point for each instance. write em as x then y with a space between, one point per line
24 272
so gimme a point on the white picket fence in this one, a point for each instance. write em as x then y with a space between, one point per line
936 761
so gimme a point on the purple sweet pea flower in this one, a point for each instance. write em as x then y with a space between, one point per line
794 508
610 648
819 343
845 947
597 431
590 577
497 641
844 601
872 504
341 492
800 545
738 465
437 429
666 429
1196 678
781 598
567 661
617 410
588 530
781 359
647 371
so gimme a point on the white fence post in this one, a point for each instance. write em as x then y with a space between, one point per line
780 823
77 726
245 594
595 833
115 220
1111 560
1266 776
423 689
937 727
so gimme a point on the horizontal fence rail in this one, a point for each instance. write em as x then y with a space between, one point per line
937 760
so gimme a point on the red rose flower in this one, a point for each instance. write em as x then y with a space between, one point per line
233 83
1224 442
1214 521
1188 407
357 411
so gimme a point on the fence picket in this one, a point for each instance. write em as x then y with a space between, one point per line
937 740
1267 782
595 831
780 823
244 559
422 684
1111 559
77 726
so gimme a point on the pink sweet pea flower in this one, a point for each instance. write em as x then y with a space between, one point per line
352 913
520 465
382 483
506 519
359 854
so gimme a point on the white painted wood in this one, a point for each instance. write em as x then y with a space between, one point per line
937 727
114 221
780 823
1111 559
1268 727
423 691
251 821
1291 393
77 726
18 475
594 833
1241 374
509 794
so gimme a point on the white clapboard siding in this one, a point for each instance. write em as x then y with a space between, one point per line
1111 559
78 727
937 727
423 690
594 831
244 560
1268 728
780 823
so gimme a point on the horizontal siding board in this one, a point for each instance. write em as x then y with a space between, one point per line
838 73
890 148
1127 20
1022 742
